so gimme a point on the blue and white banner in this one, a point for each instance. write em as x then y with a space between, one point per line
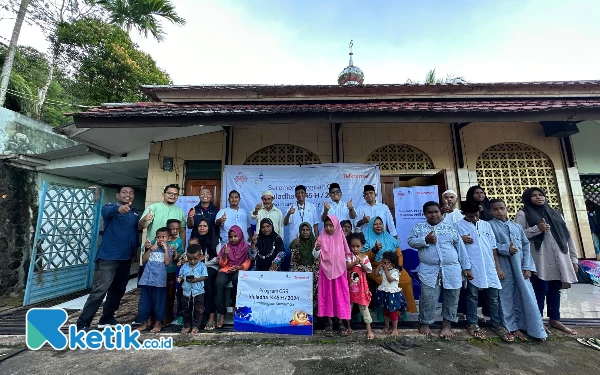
408 202
252 180
274 302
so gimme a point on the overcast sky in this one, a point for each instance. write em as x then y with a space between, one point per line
306 41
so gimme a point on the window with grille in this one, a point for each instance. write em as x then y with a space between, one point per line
506 170
282 155
591 188
399 156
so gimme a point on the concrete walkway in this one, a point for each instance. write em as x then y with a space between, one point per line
259 354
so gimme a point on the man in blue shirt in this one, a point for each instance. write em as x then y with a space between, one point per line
119 244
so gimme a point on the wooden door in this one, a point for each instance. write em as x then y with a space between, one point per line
387 191
442 182
192 188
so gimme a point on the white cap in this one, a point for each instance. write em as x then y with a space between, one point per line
449 192
267 193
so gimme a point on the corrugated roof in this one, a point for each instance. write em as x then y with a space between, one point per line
159 109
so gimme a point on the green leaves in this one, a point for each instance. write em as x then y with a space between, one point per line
142 15
107 64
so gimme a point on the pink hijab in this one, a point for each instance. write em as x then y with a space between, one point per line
237 253
334 250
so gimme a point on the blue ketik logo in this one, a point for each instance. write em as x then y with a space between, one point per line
43 326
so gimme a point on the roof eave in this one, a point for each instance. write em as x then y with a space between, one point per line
260 93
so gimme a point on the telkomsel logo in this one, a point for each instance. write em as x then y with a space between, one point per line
44 326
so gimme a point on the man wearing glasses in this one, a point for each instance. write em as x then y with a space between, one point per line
340 209
156 215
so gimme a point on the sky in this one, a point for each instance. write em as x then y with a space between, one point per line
306 41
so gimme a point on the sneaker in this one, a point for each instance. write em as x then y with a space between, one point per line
110 322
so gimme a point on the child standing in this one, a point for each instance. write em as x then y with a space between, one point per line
359 266
480 243
334 295
442 256
192 275
176 247
153 283
389 295
180 262
514 265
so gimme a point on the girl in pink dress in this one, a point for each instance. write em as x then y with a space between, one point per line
334 295
359 266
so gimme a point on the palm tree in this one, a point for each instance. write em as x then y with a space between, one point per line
142 15
432 79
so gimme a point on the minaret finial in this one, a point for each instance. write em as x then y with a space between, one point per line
351 75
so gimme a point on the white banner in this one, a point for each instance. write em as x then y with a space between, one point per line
252 180
274 302
408 202
186 203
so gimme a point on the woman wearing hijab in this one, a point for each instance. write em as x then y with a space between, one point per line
233 258
553 251
380 241
477 195
346 227
267 248
334 293
210 248
305 257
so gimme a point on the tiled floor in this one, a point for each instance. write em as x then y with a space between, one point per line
581 301
77 304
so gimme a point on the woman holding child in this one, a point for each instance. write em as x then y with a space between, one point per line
380 241
210 248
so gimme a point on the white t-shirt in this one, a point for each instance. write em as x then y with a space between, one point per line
237 217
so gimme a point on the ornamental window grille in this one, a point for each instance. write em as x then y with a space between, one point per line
399 156
506 170
282 154
591 188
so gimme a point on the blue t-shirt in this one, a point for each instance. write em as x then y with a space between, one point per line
174 247
155 269
120 238
193 289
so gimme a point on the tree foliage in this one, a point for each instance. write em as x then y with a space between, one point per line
29 72
142 15
431 79
107 66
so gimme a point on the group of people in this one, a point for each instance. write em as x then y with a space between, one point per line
475 253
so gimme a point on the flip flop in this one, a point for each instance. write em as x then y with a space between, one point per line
587 343
210 326
392 347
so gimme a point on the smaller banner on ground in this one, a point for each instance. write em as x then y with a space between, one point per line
408 202
186 203
274 302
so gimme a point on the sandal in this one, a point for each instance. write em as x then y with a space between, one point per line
504 334
329 330
476 332
344 332
210 326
